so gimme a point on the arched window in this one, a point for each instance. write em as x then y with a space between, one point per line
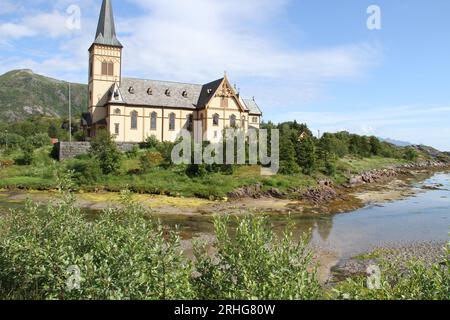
153 119
134 120
215 120
233 121
189 122
172 121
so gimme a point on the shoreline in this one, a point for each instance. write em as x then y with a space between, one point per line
372 187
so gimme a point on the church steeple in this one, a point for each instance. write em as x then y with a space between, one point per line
106 30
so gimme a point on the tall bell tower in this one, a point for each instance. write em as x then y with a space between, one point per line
105 65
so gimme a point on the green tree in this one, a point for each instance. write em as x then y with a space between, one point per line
306 155
288 164
105 151
375 146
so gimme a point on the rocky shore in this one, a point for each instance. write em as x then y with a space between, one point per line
326 191
379 175
425 252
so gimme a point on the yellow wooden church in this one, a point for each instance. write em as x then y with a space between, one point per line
134 109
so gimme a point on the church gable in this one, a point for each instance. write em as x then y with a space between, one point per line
226 97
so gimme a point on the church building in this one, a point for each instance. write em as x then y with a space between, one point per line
134 109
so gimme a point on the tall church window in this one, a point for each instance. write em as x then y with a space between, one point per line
215 120
153 119
189 122
116 129
134 120
233 121
172 122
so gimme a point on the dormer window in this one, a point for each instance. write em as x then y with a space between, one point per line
116 95
185 94
131 90
209 91
168 92
149 91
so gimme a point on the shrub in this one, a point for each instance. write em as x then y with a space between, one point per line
40 140
122 255
151 143
133 153
27 154
410 154
11 140
254 264
150 160
6 163
413 281
104 149
84 171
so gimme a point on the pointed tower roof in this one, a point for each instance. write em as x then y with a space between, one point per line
106 30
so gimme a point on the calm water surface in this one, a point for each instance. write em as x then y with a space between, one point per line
421 218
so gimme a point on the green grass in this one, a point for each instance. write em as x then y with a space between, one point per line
174 182
354 165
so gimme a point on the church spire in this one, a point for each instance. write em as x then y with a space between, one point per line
106 30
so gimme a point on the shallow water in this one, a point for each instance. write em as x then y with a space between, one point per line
421 218
424 217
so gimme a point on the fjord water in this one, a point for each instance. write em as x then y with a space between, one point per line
424 217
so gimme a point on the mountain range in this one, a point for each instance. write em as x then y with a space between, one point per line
24 94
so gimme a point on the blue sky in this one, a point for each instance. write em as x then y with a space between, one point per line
310 60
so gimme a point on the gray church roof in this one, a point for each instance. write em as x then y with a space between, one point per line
106 30
252 107
154 93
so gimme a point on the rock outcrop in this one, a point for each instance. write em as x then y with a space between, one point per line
379 175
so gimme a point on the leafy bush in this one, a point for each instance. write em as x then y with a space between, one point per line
6 163
151 143
123 255
133 153
150 160
105 150
40 140
27 155
254 264
410 154
84 171
11 140
415 281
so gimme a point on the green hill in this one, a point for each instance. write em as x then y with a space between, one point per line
24 94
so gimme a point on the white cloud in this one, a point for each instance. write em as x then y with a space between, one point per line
196 40
8 7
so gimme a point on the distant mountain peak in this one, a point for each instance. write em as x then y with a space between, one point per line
398 143
24 93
